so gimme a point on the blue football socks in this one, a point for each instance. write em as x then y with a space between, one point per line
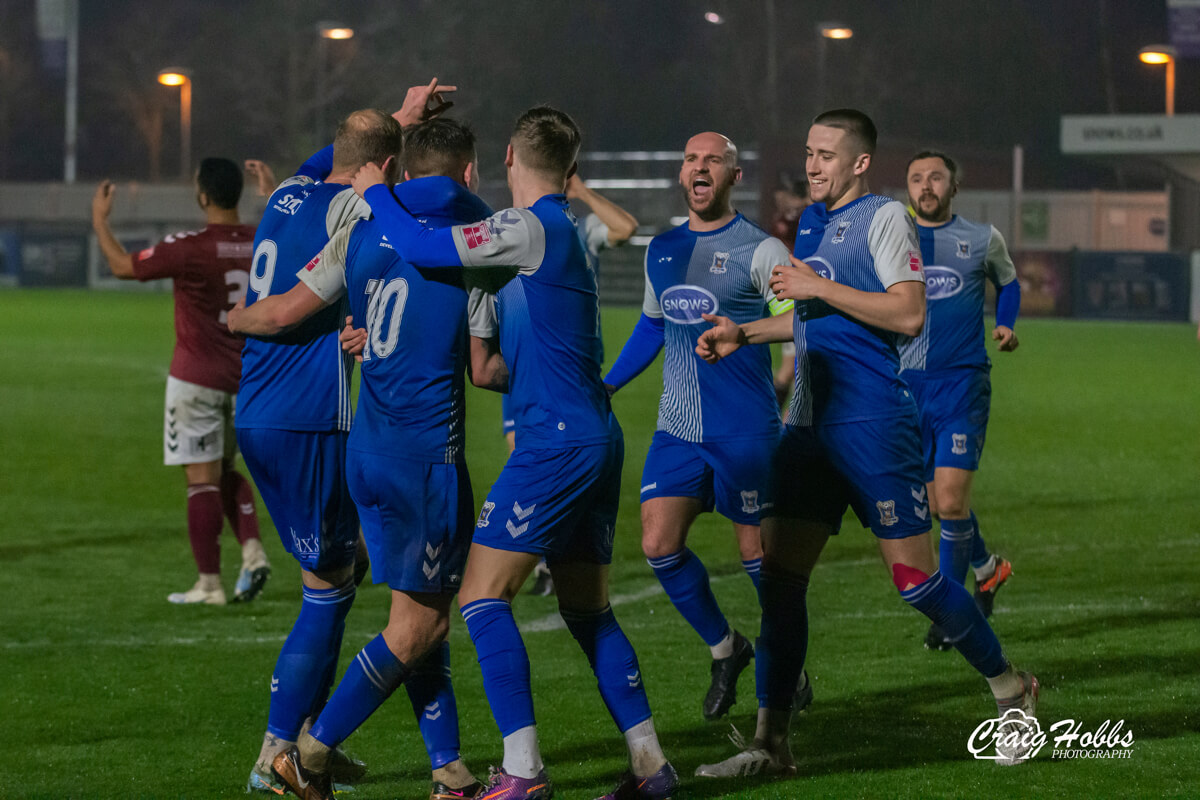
979 552
369 680
432 696
753 568
685 581
308 660
503 662
949 606
613 662
954 553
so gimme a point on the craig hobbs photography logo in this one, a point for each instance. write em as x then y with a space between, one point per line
1016 737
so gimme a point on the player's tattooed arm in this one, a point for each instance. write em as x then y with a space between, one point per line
119 261
487 367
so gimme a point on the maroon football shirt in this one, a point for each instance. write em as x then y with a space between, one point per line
210 269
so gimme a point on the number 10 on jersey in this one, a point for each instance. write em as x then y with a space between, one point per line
385 308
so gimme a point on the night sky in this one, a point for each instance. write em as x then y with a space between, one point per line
637 74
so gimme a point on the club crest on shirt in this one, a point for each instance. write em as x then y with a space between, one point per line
484 513
887 512
964 249
839 235
718 263
959 444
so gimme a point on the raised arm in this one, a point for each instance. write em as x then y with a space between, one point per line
620 223
119 260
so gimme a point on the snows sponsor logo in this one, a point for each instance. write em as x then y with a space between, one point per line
942 282
683 304
821 267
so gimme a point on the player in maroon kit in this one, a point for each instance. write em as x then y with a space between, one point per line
210 271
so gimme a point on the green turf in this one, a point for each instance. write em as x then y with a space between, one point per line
1089 486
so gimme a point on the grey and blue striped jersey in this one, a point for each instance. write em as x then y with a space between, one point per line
724 272
958 256
846 370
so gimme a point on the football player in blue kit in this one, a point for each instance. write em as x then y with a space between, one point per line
557 495
947 367
717 426
851 438
294 418
404 456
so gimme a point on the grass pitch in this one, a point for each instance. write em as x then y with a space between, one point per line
1089 485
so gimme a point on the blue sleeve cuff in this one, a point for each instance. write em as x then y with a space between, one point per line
639 352
1008 303
319 164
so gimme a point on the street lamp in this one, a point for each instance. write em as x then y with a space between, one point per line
182 77
825 32
326 30
1163 54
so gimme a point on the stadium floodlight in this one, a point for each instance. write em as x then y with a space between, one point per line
327 30
182 77
825 32
834 30
714 18
1163 54
334 30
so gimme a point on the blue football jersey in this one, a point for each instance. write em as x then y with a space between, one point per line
411 401
958 256
548 320
299 381
726 271
847 370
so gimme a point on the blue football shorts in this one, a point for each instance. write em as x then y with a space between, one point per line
301 477
732 475
560 504
416 520
873 467
953 407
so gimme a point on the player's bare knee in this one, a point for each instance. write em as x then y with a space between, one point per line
660 540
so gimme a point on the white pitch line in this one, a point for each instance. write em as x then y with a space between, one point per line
553 622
